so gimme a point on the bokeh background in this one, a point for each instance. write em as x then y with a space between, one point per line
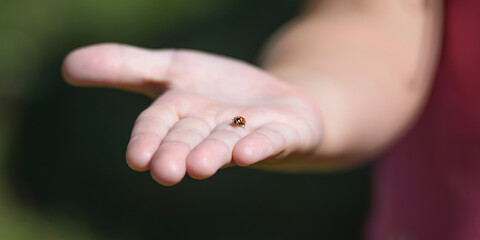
62 168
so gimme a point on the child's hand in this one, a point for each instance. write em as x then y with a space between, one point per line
188 128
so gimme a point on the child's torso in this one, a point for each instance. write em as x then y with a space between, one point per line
428 185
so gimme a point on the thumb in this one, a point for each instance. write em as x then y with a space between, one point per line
118 66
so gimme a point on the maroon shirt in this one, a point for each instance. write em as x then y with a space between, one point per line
428 184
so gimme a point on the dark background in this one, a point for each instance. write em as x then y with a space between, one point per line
62 168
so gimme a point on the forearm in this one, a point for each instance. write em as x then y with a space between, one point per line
367 68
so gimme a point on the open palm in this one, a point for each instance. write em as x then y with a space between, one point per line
188 128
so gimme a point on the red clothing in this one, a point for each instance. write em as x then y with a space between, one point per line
428 184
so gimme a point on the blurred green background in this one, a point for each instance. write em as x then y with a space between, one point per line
62 168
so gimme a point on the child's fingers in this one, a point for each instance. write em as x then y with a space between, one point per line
168 164
152 71
118 66
215 151
150 128
267 141
140 150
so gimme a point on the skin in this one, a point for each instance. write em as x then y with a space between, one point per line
342 71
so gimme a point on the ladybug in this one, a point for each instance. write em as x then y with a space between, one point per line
239 121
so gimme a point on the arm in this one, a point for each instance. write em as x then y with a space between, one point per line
341 82
368 66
